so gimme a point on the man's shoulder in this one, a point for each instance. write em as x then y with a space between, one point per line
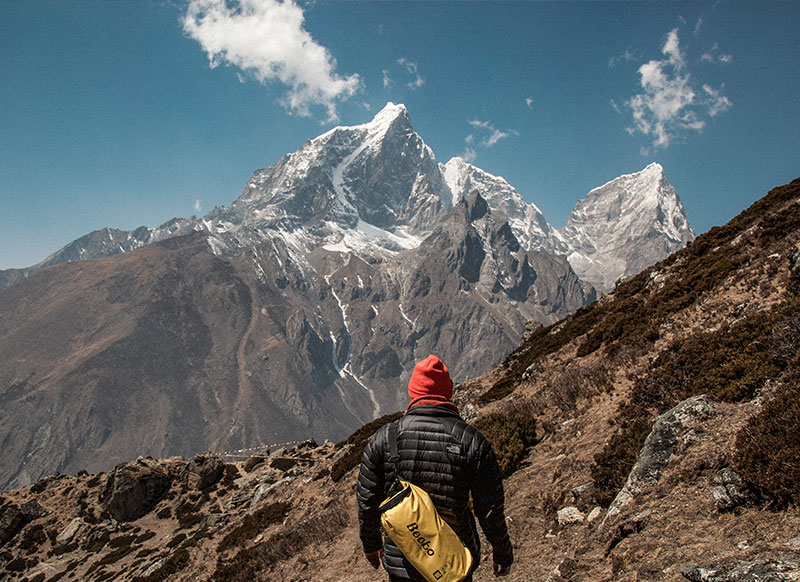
450 422
380 435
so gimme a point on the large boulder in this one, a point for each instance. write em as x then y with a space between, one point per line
133 489
204 471
734 571
13 518
673 429
11 521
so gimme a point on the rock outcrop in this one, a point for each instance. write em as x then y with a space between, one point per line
672 430
737 571
133 489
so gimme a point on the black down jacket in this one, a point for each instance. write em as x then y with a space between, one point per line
450 460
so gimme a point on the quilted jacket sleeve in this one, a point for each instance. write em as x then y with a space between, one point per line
488 500
369 493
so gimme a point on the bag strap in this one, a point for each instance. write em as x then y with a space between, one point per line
394 455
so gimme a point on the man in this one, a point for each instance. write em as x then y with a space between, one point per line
450 460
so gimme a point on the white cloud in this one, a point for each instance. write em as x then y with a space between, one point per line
266 39
717 103
469 155
627 57
698 27
494 135
387 81
197 207
529 101
412 70
491 135
715 56
669 105
672 50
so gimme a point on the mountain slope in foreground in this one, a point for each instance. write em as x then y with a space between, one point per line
652 435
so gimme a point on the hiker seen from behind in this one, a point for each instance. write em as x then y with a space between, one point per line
438 452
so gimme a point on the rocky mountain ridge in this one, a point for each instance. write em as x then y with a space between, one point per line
375 189
650 436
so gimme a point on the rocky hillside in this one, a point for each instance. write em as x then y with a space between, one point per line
651 436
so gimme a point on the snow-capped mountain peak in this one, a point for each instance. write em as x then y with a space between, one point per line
624 226
391 117
526 220
376 189
392 114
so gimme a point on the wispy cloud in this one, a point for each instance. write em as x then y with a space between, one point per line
715 56
266 39
669 105
627 57
198 208
469 154
490 136
387 80
412 69
698 27
717 103
494 135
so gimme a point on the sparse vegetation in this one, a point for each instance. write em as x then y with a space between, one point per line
289 542
145 536
176 540
19 564
173 564
189 521
32 538
117 554
768 446
542 342
122 541
727 365
254 524
512 435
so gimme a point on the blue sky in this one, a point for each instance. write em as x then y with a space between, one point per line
125 114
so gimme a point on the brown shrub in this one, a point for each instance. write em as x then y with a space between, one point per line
250 563
176 540
175 563
728 365
512 435
254 524
786 338
768 447
539 344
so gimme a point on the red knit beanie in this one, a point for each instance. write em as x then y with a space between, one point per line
430 378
